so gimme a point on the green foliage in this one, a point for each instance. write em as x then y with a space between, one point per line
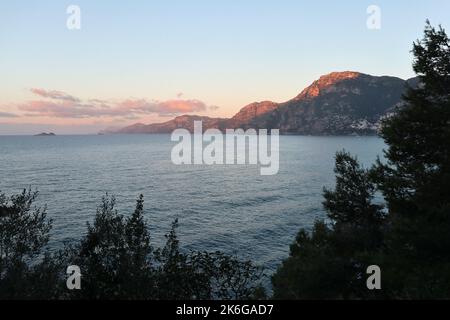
114 255
203 275
416 178
116 258
410 238
356 219
329 262
313 271
24 231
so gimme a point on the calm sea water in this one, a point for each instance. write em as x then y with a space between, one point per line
229 208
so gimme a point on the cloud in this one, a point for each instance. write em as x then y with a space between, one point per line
53 94
179 106
65 109
62 105
169 107
7 115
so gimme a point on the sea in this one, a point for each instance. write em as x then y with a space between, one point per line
228 208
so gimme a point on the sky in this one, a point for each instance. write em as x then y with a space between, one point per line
148 61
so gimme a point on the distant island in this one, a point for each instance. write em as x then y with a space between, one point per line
45 134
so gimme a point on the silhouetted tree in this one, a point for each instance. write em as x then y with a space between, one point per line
116 259
415 181
24 231
114 255
329 262
410 238
204 275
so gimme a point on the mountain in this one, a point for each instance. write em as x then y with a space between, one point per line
337 104
186 122
340 103
250 112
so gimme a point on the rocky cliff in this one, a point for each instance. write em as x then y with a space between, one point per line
340 103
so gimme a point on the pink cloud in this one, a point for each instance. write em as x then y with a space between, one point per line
181 106
162 107
62 105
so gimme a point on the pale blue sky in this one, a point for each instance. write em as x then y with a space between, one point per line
224 53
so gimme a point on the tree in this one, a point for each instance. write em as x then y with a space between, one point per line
357 219
415 181
116 258
204 275
24 231
329 262
114 255
410 238
117 261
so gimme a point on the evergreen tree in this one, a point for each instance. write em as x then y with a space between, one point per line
117 261
415 181
409 238
24 232
329 262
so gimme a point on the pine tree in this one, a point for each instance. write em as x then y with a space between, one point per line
328 263
409 238
415 181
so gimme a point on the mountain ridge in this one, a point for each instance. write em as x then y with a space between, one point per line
338 103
